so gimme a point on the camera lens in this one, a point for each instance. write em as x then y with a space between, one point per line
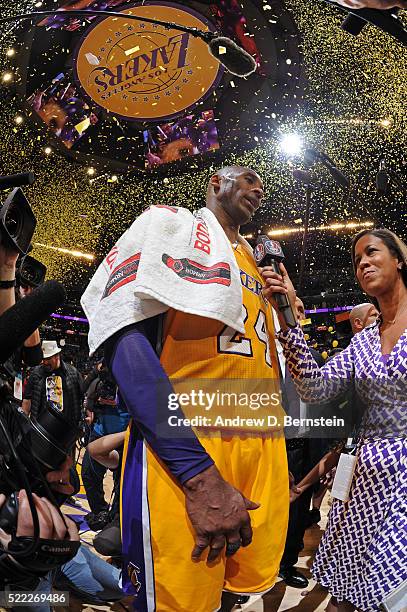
13 221
30 273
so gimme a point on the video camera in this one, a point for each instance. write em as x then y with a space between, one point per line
30 272
29 449
17 220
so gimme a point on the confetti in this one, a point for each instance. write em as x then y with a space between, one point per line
353 109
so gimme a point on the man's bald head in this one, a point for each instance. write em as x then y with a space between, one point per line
361 316
230 172
234 195
299 309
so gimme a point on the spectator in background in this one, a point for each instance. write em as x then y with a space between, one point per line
106 417
362 315
54 382
108 451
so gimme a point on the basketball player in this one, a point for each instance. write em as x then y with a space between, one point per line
195 492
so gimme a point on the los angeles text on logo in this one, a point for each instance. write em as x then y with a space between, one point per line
144 66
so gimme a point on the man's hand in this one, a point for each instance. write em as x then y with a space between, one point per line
295 491
59 479
89 418
277 283
375 4
8 260
218 513
328 478
52 526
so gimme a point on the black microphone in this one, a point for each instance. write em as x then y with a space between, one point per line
338 176
312 155
304 177
21 320
225 50
16 180
233 57
353 24
269 253
382 178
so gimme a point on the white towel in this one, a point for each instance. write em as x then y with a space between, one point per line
168 258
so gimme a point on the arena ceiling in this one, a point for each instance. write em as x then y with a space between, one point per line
344 95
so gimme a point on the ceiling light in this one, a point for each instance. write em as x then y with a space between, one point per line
291 145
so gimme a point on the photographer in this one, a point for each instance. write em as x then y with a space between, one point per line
11 286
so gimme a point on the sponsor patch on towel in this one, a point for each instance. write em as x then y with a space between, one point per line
124 273
197 273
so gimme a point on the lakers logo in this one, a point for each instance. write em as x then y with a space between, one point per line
133 572
144 71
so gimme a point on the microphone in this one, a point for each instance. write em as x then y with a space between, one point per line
269 253
338 176
353 24
225 50
21 320
16 180
313 155
382 178
235 59
304 177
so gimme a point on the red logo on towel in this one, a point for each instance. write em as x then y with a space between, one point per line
170 208
124 273
197 273
202 241
112 256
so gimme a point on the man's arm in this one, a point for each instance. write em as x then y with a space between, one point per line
26 405
8 259
218 511
103 450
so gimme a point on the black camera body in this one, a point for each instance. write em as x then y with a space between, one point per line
17 222
30 272
41 445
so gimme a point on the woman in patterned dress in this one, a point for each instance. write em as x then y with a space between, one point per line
362 555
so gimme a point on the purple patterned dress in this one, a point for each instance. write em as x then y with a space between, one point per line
362 556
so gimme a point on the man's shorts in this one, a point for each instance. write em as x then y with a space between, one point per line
158 538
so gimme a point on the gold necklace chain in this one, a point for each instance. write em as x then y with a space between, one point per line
392 321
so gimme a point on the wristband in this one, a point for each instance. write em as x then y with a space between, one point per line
7 284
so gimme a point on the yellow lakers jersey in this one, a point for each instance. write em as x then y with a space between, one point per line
243 366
